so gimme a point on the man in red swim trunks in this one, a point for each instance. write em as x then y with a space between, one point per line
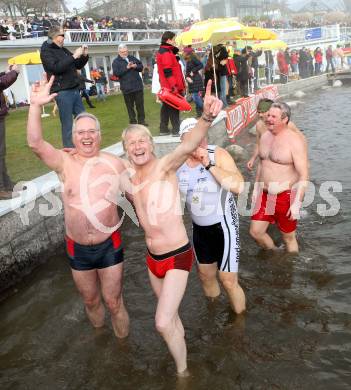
281 179
157 204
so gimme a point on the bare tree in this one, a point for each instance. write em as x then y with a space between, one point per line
26 6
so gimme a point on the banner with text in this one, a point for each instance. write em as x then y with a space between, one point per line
244 111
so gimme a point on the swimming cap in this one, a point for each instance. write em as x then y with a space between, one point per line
186 125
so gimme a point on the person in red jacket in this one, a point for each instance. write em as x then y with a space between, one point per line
171 77
232 72
6 79
283 67
294 61
318 59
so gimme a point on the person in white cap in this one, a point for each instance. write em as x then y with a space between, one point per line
208 180
157 204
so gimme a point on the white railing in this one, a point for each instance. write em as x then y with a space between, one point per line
295 37
113 35
306 35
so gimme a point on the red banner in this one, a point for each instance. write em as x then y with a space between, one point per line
244 111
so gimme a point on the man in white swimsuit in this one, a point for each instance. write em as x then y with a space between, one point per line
208 179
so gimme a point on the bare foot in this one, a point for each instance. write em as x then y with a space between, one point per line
183 374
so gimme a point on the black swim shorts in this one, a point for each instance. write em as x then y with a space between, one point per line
102 255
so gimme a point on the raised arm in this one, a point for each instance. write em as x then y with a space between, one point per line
212 107
40 95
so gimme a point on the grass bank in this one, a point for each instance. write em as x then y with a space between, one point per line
24 165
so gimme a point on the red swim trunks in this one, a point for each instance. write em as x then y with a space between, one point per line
181 258
273 209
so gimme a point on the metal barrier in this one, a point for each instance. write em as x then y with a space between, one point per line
293 37
112 35
327 33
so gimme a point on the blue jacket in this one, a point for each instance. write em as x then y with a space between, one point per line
130 80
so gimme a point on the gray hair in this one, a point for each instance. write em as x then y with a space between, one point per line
122 46
134 128
284 108
54 31
86 115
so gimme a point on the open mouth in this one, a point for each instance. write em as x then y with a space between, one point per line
87 143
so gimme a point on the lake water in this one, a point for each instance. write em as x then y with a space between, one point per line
296 333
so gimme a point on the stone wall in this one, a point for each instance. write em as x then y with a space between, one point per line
308 84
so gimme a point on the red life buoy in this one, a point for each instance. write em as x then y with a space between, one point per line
175 100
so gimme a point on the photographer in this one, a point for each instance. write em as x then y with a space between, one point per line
61 63
127 69
6 80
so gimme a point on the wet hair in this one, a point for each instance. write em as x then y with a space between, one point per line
86 115
264 105
167 35
136 128
284 108
54 31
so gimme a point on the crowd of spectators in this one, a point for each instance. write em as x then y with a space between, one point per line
241 72
292 24
39 26
305 62
34 26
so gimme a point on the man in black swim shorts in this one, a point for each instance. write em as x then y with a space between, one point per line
93 241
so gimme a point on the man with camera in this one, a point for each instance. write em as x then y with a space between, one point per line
127 68
60 62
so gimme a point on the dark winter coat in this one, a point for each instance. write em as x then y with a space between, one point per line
193 66
130 80
220 54
242 66
6 80
59 61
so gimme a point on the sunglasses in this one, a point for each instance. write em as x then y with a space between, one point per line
60 35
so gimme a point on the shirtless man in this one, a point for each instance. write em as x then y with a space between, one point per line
283 172
262 110
157 204
93 242
208 181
